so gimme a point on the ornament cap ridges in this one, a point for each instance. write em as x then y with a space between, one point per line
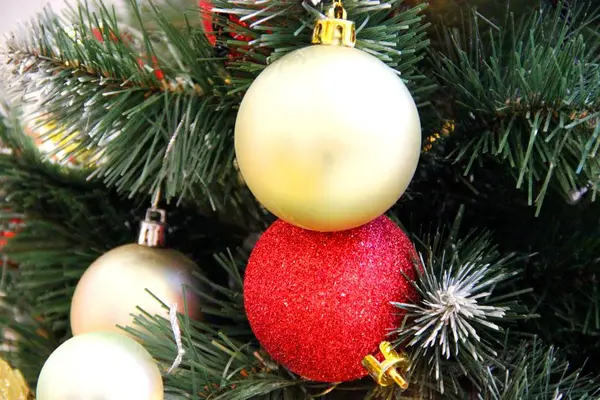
153 228
335 30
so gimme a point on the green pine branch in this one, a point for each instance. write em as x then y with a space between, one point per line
173 10
69 222
157 104
221 360
527 100
151 103
27 343
467 302
563 275
390 30
526 94
537 372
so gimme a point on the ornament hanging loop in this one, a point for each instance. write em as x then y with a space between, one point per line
386 373
337 11
335 30
153 228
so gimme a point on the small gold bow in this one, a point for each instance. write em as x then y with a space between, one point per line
389 371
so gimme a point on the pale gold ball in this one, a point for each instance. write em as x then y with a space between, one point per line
100 365
115 284
328 138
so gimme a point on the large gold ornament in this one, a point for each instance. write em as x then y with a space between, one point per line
12 383
114 285
328 137
100 365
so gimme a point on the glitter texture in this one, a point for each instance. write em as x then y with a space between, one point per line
319 302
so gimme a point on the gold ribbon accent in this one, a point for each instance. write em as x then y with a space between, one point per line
391 370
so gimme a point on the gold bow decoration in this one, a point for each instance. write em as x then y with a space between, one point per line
390 371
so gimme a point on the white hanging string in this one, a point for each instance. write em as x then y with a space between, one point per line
177 335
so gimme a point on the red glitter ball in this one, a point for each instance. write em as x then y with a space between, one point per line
319 302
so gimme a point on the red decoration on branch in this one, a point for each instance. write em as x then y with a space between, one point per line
206 15
4 236
8 231
320 302
98 34
214 32
154 64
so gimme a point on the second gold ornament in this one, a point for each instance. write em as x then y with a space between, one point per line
118 282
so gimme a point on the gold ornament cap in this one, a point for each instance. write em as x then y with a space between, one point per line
386 373
153 228
335 30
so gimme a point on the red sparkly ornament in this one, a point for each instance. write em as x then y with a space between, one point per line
319 302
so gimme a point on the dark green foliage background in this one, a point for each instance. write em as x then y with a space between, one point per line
520 82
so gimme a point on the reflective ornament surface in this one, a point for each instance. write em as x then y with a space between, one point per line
100 365
328 138
115 284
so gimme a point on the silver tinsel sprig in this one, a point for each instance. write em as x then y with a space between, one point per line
456 326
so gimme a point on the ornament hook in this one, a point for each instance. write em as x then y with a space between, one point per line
335 30
153 228
337 11
386 373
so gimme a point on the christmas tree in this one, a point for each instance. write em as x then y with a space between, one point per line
248 199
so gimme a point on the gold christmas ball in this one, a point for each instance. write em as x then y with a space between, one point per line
100 365
12 383
327 138
60 147
115 284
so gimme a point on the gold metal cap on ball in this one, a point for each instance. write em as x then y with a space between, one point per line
328 138
115 284
100 365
